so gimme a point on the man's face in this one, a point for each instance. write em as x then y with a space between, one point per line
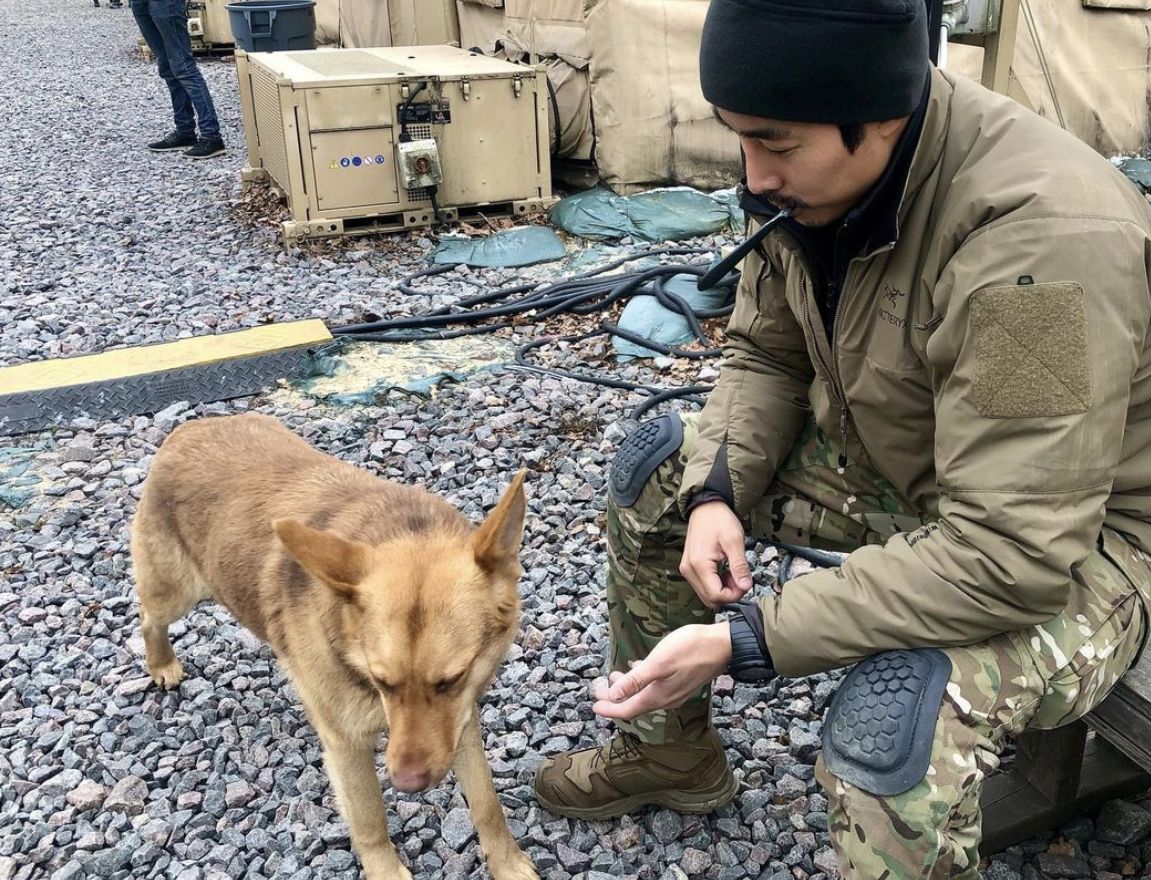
806 166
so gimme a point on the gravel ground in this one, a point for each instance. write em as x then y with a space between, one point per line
103 244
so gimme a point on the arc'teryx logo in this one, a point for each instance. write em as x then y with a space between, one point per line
892 295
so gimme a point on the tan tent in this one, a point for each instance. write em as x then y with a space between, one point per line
624 73
1083 64
374 23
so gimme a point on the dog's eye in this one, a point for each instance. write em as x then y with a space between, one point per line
384 687
442 687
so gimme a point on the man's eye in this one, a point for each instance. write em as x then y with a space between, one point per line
779 151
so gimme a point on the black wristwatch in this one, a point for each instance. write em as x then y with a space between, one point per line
750 658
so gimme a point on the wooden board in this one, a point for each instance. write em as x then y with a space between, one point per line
1124 718
1014 810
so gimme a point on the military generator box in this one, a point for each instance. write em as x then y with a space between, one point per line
209 26
391 138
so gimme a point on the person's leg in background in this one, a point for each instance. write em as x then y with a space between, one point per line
170 18
182 112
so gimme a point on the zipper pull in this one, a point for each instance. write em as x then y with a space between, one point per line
842 439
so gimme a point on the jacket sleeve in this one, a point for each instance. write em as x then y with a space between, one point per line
760 401
1043 326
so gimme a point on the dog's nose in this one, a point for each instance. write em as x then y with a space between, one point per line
411 780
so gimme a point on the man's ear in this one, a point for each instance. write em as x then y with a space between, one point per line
891 128
339 563
496 543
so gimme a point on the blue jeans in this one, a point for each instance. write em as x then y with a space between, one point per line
164 24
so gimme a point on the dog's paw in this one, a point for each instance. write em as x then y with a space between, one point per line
394 871
514 866
169 675
385 866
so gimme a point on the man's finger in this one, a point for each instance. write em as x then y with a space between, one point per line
738 568
621 687
644 701
732 590
601 688
706 582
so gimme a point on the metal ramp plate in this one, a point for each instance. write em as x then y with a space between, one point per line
114 384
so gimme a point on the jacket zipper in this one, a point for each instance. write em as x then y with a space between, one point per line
837 381
833 374
833 370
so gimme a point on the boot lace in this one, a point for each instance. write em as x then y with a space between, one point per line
624 747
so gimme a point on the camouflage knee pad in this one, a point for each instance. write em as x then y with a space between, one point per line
879 730
644 450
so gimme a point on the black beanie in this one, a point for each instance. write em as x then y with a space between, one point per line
832 61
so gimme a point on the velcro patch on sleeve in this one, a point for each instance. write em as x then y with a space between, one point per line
1031 350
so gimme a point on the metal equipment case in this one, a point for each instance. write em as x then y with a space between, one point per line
353 137
209 26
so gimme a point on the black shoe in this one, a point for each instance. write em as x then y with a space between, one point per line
206 148
174 141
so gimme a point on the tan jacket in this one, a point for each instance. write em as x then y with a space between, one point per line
992 363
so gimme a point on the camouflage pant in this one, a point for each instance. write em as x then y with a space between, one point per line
1042 677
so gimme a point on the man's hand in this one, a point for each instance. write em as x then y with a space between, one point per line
713 558
684 661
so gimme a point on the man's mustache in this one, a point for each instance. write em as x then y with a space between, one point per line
789 204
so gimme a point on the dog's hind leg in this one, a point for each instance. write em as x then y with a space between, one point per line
167 591
506 860
351 766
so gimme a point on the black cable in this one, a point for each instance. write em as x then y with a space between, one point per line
585 294
790 552
569 293
432 190
658 394
721 269
651 344
522 362
555 114
821 558
689 392
405 136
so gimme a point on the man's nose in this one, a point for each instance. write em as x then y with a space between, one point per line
762 177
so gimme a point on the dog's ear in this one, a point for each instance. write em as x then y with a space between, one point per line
338 563
496 543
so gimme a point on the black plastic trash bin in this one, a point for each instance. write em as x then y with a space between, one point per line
273 25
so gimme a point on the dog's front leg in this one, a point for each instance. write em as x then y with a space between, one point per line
506 860
352 768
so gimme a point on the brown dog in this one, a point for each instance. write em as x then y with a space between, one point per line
385 605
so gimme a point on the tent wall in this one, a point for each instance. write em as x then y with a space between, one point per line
624 73
328 21
481 25
374 23
652 124
1098 61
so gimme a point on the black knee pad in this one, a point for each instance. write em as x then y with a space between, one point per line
879 729
644 449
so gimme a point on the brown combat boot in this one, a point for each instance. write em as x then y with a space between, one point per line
626 774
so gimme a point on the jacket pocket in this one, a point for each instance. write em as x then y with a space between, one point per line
1031 351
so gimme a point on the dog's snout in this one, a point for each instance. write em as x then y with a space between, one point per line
412 780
